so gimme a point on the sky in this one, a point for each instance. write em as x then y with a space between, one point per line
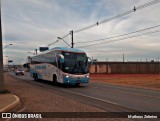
30 24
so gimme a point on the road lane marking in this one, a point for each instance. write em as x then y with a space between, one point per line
40 85
129 93
90 97
122 91
106 100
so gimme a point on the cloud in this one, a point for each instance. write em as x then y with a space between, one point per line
29 24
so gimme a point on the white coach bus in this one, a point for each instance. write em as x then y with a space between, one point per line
61 65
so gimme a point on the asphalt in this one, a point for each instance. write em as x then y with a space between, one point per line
135 99
132 98
123 98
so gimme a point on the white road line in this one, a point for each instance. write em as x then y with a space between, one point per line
91 97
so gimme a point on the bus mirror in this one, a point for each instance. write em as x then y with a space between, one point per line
61 58
91 61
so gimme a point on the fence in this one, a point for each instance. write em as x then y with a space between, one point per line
125 67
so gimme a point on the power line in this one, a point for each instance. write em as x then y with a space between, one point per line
59 40
121 34
118 16
65 36
63 41
104 51
110 19
120 39
53 43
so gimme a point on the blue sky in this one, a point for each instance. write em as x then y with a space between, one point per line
29 24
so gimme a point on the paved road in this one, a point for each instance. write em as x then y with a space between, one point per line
39 98
98 94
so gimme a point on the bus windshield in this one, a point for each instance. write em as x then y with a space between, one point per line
75 63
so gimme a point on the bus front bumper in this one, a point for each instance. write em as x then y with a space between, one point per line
71 80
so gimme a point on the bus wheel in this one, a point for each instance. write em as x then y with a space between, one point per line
54 80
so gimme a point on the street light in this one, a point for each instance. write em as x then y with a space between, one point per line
7 46
7 60
63 41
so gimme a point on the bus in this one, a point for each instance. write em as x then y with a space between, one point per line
61 65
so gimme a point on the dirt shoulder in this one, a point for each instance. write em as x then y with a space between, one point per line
149 81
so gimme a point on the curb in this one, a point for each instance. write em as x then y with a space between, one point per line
11 106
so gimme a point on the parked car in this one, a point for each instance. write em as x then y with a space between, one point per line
19 71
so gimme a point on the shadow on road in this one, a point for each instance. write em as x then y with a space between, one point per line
60 85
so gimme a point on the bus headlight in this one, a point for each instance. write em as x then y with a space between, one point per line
67 76
87 76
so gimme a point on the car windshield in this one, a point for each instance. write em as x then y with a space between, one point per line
75 63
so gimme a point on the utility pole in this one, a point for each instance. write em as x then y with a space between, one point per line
1 59
123 57
72 39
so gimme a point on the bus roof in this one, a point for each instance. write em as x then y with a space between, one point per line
68 49
61 49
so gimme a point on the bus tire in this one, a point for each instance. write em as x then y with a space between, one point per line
54 79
